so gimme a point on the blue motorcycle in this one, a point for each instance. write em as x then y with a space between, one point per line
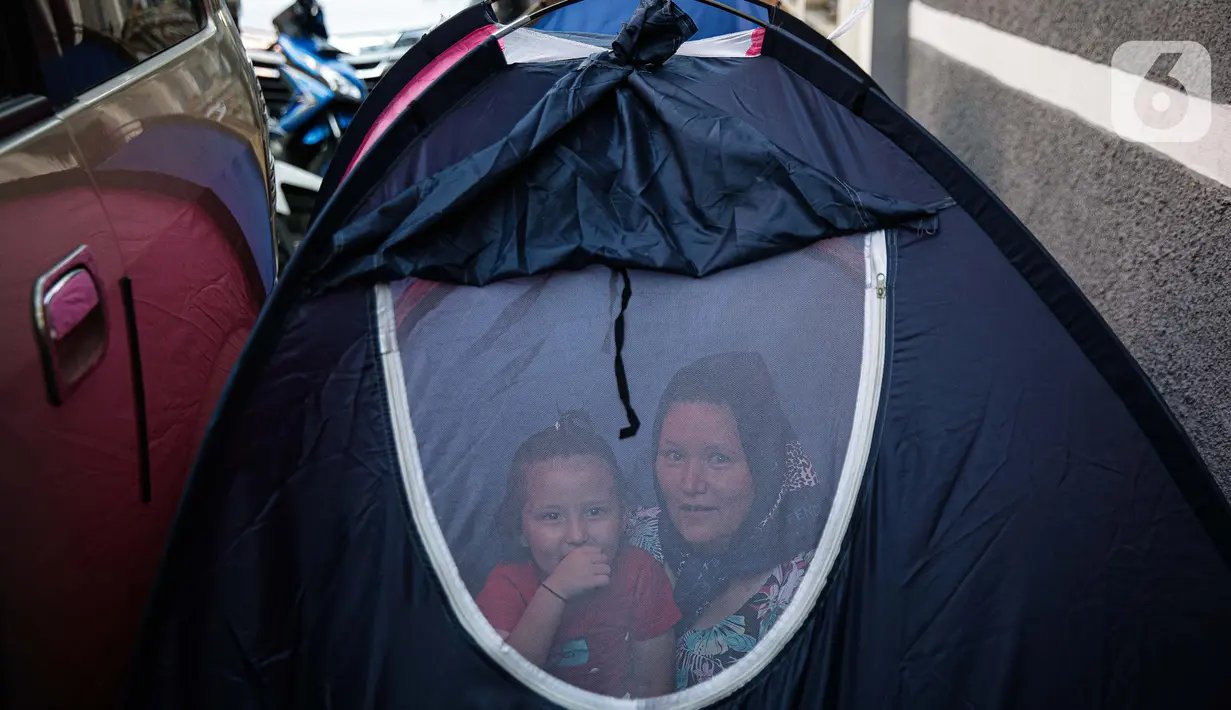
323 94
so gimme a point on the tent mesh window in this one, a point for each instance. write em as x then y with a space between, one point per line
569 538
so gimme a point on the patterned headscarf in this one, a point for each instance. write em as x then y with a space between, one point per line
786 515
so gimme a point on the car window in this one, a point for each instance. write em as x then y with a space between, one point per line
21 87
83 43
14 80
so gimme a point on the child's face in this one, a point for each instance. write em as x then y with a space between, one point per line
571 502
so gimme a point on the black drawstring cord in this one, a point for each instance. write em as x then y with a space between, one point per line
621 378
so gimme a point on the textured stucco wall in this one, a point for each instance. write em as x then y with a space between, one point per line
1094 28
1147 240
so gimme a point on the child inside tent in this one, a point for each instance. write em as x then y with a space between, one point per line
591 610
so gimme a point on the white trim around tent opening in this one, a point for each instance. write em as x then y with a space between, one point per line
467 611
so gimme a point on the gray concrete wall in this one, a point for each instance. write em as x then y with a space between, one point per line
1094 28
1146 239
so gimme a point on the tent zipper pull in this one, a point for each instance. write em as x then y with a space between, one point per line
880 286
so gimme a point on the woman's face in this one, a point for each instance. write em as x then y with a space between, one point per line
703 473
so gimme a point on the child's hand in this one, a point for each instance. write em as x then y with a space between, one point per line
583 569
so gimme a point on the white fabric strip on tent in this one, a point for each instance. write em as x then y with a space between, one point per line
739 44
528 46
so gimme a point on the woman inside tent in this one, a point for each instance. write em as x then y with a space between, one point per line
743 509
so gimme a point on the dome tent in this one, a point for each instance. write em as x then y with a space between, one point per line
1004 513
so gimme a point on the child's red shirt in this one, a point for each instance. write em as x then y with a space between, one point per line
592 648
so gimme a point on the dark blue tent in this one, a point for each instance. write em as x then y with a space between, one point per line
855 405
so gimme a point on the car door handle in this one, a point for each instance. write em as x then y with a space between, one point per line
70 321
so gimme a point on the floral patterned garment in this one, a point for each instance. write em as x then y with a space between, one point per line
641 529
700 654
